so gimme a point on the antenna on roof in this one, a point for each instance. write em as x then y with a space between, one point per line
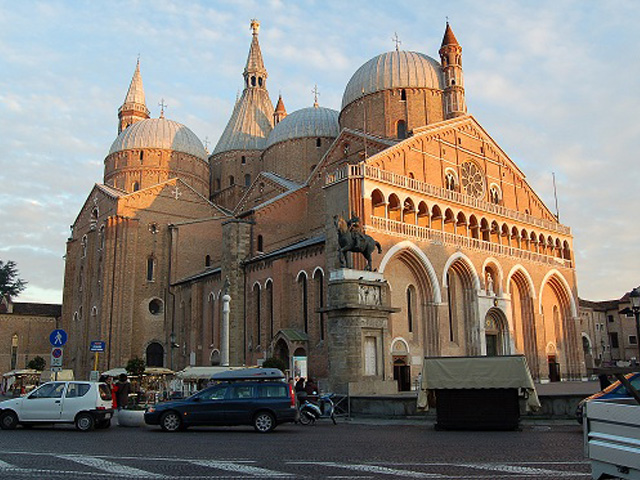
555 195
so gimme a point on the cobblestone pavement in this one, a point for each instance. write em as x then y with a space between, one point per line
358 450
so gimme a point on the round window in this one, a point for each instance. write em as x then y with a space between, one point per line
155 306
472 179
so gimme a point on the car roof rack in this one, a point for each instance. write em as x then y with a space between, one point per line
249 374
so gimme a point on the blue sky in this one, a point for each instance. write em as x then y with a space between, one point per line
555 83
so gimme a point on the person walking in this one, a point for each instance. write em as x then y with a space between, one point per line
124 389
301 394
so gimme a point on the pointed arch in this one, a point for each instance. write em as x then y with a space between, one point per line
566 288
522 293
424 261
473 275
463 285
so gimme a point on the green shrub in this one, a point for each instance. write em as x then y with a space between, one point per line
274 362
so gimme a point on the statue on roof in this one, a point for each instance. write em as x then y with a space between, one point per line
351 238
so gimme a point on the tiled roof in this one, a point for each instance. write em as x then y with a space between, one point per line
307 122
37 309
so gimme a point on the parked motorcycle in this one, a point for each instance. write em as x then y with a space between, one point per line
325 408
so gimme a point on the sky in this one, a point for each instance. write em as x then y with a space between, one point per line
555 83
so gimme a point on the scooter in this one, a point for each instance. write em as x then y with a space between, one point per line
310 412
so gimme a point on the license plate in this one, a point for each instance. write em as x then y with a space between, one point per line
108 415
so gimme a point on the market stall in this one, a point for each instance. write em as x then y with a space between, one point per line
20 382
477 393
154 385
192 379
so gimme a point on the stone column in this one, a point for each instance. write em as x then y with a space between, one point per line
224 331
358 311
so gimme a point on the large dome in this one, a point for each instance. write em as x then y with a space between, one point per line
159 133
396 69
307 122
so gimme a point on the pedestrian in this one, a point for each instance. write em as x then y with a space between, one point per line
311 389
124 389
301 393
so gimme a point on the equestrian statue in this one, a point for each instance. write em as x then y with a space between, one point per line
351 238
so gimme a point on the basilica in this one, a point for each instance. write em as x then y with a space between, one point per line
472 262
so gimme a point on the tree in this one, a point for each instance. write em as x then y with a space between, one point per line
135 366
10 284
274 362
37 363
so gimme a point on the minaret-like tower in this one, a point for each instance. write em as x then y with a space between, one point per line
134 108
451 59
280 112
255 75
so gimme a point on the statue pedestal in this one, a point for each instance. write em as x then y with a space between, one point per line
358 311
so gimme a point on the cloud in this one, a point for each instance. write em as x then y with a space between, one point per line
553 82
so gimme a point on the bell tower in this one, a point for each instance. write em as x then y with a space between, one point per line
455 104
134 107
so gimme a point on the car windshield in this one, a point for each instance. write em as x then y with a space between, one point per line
49 390
212 393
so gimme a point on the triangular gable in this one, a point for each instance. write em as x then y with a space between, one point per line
440 132
174 188
266 187
99 194
359 144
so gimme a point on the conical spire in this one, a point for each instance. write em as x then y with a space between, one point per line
136 89
280 111
449 38
255 64
253 115
134 107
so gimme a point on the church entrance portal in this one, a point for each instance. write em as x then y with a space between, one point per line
402 373
281 351
494 333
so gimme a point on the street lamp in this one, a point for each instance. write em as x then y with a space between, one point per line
172 345
634 297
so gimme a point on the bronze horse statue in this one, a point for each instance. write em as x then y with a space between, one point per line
352 240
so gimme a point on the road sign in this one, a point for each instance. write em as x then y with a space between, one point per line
97 346
56 357
58 337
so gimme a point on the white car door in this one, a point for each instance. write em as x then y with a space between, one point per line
43 404
77 398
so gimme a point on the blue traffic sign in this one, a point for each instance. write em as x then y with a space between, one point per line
96 346
58 337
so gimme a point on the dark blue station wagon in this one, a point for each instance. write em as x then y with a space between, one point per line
263 404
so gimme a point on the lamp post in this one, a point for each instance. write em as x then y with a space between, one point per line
172 345
634 297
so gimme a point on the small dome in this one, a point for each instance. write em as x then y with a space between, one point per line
396 69
159 133
307 122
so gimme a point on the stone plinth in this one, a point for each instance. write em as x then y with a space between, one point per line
358 311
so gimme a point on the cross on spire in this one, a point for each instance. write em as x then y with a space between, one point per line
206 143
396 40
315 95
162 106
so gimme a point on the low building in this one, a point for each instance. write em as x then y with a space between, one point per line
24 332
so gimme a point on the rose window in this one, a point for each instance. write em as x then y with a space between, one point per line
472 179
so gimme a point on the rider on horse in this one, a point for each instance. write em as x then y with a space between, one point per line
355 227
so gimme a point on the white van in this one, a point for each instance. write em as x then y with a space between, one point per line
88 405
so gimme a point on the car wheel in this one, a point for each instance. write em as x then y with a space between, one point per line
264 422
8 421
103 424
170 422
85 422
